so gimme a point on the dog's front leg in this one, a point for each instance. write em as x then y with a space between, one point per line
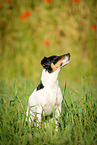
39 112
58 110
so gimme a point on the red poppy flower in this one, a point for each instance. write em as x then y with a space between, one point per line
76 1
25 15
46 42
47 1
1 23
28 13
93 27
1 4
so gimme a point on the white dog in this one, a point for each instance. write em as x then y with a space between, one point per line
47 96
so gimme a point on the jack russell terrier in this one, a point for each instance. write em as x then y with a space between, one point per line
47 96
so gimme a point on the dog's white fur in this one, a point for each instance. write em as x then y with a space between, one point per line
48 97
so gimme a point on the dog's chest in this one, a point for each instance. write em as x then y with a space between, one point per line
50 98
47 95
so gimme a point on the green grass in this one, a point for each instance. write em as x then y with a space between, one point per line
77 122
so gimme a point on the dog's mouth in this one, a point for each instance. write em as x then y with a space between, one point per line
60 61
65 59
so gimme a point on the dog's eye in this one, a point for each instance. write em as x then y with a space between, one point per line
55 58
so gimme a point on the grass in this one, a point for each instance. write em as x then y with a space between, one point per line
77 122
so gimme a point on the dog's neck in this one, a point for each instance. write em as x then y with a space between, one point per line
50 79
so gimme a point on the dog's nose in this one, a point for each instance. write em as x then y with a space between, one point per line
68 54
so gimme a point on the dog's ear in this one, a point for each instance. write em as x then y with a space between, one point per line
45 62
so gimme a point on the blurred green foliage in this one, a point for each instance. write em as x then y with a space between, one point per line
66 24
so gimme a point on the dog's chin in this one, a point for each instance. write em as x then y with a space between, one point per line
65 63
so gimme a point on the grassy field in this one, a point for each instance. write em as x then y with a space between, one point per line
77 122
30 30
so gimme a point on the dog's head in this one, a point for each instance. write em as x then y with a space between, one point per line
55 62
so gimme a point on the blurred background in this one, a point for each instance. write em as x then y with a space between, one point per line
32 29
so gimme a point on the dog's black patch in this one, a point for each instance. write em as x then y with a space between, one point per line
54 59
40 86
46 62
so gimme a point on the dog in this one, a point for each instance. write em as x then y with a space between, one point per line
47 96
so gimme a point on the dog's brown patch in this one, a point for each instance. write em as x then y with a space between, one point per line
57 65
